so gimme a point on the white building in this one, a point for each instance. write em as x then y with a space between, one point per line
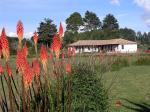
109 46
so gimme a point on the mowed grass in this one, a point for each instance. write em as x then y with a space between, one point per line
132 84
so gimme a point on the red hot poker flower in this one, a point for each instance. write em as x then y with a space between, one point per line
20 60
35 37
60 30
1 69
35 67
43 56
27 76
68 68
25 49
20 30
8 69
5 45
56 45
0 48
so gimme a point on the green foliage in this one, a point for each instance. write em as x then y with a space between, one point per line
46 31
68 38
145 60
74 22
91 21
89 94
110 22
119 63
127 33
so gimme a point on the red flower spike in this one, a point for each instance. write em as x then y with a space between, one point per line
35 37
36 68
27 76
0 48
68 68
5 45
20 30
25 49
20 60
1 69
60 30
56 45
43 56
8 69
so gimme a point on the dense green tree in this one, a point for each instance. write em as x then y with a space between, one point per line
110 22
91 21
127 33
74 22
68 38
46 31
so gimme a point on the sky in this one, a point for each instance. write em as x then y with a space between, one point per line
133 14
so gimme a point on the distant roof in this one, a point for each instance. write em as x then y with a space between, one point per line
102 42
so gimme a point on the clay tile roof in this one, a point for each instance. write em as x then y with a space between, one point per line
102 42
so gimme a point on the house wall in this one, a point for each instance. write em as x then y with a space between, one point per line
128 48
86 49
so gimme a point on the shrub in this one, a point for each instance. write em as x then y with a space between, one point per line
89 94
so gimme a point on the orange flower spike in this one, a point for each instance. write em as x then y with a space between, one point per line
1 69
35 37
56 45
5 45
8 69
0 48
68 68
60 30
43 56
36 68
20 60
25 49
20 31
27 76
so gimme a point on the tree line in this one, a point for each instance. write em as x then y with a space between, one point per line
90 27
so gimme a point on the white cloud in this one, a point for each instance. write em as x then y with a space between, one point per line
12 34
26 35
145 4
115 2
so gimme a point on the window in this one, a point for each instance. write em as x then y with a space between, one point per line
122 46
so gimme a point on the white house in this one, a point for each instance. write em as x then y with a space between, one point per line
110 46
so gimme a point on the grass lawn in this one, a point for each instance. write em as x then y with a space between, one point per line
132 84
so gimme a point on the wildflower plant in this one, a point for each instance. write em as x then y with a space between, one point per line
33 88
